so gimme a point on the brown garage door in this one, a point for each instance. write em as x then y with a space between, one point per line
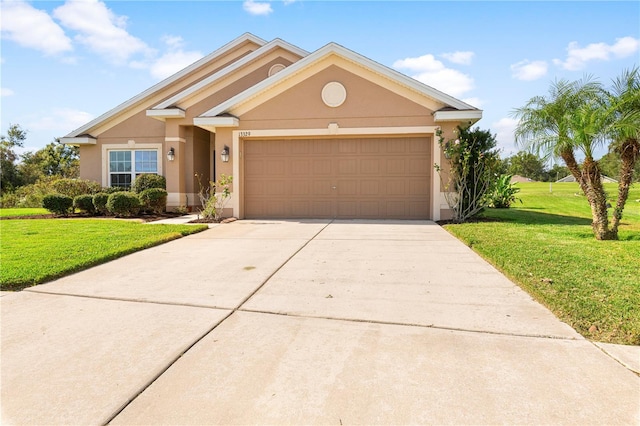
377 178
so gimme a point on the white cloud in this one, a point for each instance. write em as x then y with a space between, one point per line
462 58
577 57
6 92
432 72
60 120
256 7
171 61
288 2
32 28
504 130
100 29
527 70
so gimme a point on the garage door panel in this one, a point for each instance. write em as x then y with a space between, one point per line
372 177
322 167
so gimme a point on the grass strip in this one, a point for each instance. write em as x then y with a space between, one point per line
35 251
17 212
546 245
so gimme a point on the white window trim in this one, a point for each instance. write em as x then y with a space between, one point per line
128 147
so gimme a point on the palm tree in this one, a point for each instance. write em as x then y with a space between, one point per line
572 118
624 131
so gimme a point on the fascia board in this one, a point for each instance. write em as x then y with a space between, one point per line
78 140
231 68
466 115
168 81
162 114
333 48
216 121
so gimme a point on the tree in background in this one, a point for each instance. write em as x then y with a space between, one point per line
528 165
578 117
9 175
55 159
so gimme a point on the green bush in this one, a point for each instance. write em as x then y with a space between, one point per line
9 200
113 189
58 204
123 204
100 202
153 200
503 193
75 187
147 181
84 203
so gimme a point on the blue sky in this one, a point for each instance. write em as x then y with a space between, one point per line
66 62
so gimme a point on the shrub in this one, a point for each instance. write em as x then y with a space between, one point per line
9 200
123 204
147 181
503 193
153 199
75 187
58 204
100 202
113 189
214 196
84 203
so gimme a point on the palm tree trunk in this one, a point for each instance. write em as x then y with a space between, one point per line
629 155
570 160
592 179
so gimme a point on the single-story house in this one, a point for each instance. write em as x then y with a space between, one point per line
570 178
305 135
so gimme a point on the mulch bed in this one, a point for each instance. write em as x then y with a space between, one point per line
143 217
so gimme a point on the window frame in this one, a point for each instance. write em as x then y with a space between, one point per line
133 148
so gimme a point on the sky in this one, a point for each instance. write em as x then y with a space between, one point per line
64 63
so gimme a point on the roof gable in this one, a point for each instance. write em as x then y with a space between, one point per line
199 89
332 54
244 39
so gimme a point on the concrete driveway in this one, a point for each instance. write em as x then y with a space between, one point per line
311 322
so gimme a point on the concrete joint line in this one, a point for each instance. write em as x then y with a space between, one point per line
437 327
206 333
120 299
266 280
157 376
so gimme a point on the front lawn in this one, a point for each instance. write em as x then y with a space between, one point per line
546 245
33 251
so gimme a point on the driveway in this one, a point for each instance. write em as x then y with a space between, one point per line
310 322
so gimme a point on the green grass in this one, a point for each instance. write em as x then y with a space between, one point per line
23 212
546 245
33 251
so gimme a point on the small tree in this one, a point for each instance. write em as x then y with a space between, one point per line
214 196
472 158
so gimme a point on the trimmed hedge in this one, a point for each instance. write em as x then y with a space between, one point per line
58 204
148 181
84 203
74 187
123 204
153 200
100 202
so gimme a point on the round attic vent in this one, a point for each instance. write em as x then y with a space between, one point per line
276 69
334 94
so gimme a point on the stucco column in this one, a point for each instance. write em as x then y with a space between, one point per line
175 170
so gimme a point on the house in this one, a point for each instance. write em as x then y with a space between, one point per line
305 135
570 178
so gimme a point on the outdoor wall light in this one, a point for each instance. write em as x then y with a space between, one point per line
224 155
171 155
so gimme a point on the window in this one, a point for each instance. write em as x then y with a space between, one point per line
124 166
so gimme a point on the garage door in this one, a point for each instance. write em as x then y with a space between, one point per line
376 178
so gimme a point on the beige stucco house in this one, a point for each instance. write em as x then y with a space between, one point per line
305 135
